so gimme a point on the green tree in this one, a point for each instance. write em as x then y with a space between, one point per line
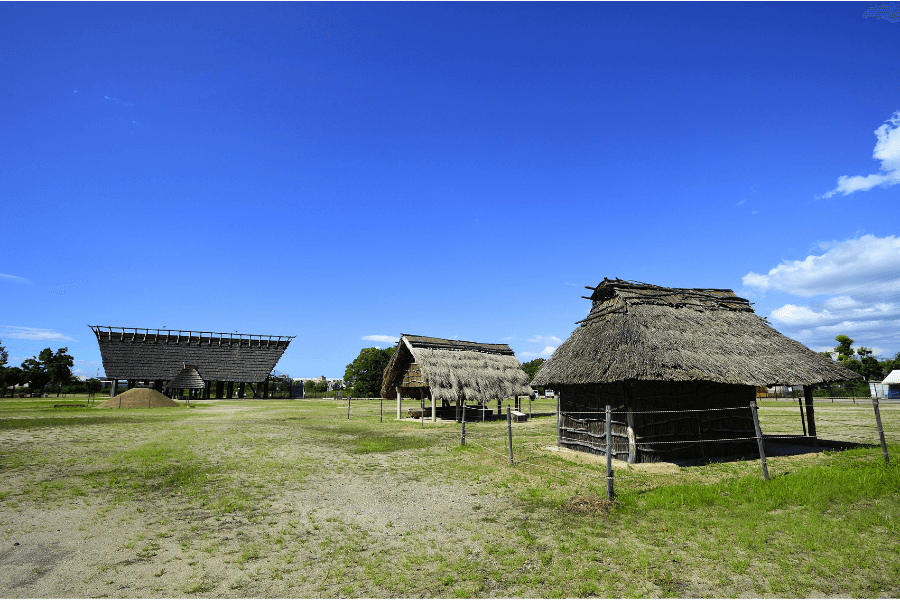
870 367
844 346
12 376
846 355
321 385
93 386
34 373
532 367
48 368
59 367
364 375
4 356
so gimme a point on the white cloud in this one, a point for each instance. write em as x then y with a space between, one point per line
13 278
547 352
544 339
887 150
868 261
854 290
32 333
387 339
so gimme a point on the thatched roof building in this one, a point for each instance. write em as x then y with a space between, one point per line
644 347
159 355
453 371
188 379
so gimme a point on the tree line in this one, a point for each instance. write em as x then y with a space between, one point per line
862 361
48 370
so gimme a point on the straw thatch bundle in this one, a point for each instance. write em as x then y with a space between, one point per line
637 331
188 379
454 370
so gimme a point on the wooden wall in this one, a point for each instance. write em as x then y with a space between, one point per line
658 420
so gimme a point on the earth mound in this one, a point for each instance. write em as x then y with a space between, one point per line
139 398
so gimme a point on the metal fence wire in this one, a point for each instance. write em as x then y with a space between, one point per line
666 435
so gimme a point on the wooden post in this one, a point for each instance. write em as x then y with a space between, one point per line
558 427
114 389
241 390
802 416
509 432
422 410
462 441
433 408
229 390
529 406
810 415
398 401
759 440
880 430
220 389
381 410
610 493
348 408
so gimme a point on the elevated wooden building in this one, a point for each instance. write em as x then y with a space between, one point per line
222 361
664 359
452 373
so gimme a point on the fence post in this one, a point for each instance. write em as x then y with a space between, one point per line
558 429
509 432
810 414
610 494
880 430
802 416
462 441
381 410
422 411
759 440
348 408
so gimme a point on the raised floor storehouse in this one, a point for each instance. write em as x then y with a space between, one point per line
452 373
678 367
227 363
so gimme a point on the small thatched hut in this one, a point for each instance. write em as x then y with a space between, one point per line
452 372
662 358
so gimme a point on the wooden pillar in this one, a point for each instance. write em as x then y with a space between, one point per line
433 408
220 389
265 389
398 401
241 388
206 390
229 390
131 383
810 415
113 388
158 385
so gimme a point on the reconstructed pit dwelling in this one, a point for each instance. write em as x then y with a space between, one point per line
452 372
662 358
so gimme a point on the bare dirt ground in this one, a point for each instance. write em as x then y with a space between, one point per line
285 507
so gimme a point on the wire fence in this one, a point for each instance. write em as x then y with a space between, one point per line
771 426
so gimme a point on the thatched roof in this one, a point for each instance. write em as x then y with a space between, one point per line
637 331
154 354
188 379
457 370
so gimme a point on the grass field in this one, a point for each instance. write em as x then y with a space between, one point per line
290 498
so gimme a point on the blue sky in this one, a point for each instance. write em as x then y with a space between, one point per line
346 173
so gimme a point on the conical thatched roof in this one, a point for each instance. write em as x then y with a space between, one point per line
457 370
188 379
646 332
